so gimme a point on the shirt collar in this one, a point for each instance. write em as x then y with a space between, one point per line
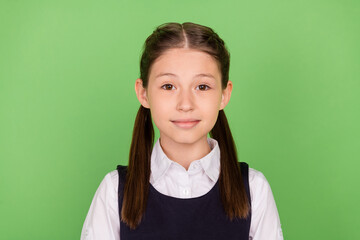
160 163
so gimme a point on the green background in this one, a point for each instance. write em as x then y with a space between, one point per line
67 105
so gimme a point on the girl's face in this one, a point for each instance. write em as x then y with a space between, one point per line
184 94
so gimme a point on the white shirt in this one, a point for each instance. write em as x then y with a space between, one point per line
170 178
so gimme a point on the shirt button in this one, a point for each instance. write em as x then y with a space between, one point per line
195 165
186 191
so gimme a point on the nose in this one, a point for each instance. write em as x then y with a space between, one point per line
185 101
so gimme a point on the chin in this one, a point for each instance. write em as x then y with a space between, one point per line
187 138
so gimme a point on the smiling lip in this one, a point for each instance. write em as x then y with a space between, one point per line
186 123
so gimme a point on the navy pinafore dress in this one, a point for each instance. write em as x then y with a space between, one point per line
170 218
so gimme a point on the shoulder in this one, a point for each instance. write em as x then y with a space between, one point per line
102 219
256 176
114 179
259 185
109 184
265 220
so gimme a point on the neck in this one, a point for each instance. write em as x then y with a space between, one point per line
185 153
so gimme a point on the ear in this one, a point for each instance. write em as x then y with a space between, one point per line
141 93
226 94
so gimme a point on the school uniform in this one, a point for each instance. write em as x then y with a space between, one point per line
184 204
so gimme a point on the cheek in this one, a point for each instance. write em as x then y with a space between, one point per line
211 104
211 108
212 115
160 108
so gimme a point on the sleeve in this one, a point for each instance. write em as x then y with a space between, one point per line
265 220
102 220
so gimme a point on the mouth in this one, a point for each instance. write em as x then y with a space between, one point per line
186 123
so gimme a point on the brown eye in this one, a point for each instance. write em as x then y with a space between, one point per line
167 86
203 87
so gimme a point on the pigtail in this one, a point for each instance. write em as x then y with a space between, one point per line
137 181
232 189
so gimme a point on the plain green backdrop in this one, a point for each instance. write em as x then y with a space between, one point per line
68 105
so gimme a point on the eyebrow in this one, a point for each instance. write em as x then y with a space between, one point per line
174 75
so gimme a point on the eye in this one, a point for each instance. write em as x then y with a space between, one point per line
167 86
204 87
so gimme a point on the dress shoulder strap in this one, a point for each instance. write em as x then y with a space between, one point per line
122 170
244 167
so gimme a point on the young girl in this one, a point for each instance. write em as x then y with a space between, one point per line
187 185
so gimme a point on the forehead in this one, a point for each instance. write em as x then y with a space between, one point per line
185 62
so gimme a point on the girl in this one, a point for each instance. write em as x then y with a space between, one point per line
187 185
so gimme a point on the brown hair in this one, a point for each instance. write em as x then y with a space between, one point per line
136 186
